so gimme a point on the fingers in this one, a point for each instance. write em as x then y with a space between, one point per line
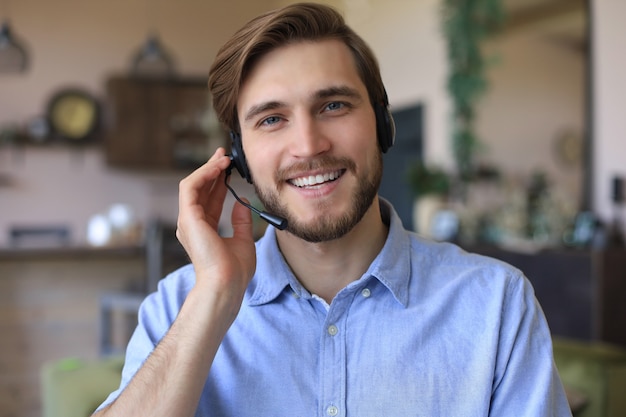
241 219
202 193
200 202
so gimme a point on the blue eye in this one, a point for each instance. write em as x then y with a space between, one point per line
271 120
335 105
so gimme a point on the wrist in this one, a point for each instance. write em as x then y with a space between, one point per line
212 307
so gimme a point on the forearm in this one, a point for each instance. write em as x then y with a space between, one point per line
171 380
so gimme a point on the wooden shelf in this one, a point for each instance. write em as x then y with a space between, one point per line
70 252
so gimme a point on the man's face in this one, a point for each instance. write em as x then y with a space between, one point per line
309 135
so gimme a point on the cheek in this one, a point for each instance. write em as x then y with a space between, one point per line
360 142
260 160
356 131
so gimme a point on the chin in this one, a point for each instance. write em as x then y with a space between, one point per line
327 225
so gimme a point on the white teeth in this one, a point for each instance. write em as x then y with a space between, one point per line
315 179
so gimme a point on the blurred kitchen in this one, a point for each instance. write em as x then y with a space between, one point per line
104 108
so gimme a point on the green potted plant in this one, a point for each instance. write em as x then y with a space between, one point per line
428 179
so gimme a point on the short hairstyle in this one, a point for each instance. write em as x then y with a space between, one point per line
290 24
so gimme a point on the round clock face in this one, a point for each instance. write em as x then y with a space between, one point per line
569 149
73 115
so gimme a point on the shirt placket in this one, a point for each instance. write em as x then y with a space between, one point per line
333 361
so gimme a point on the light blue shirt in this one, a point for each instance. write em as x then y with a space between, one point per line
429 330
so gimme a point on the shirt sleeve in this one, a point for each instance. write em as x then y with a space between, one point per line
526 380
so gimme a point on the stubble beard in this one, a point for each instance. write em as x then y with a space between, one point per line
326 227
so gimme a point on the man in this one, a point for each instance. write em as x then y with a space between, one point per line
344 313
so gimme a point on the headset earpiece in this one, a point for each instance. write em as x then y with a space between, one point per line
237 156
385 126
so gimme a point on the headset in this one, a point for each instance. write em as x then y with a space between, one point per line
385 132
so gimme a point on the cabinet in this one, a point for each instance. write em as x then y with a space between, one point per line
160 124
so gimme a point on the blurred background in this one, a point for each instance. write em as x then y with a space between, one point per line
104 108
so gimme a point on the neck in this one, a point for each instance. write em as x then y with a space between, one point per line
327 267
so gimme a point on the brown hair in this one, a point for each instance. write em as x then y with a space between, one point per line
293 23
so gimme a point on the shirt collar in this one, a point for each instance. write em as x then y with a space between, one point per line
392 266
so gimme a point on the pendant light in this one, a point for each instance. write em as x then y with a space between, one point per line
13 55
152 60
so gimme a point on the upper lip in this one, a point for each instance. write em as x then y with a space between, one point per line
314 178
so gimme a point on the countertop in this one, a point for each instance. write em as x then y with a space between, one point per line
8 253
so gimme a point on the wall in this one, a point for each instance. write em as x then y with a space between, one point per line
406 37
60 187
547 105
609 100
536 93
80 43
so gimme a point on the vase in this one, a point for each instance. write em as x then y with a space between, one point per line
424 210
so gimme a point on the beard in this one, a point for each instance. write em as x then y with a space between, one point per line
326 227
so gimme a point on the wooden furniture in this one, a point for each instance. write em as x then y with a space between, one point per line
49 302
582 292
160 124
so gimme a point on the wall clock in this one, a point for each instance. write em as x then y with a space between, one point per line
568 146
73 115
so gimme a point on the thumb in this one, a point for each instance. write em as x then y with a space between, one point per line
241 219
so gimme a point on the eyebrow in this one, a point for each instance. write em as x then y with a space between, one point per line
260 108
335 91
343 91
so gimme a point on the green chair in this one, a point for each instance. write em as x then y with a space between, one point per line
75 388
594 376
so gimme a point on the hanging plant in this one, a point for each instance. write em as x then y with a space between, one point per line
466 23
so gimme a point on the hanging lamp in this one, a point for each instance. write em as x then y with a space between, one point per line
153 60
13 55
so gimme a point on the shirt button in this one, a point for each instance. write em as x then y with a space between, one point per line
332 410
332 330
366 292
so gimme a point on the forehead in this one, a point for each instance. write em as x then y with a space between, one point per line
299 69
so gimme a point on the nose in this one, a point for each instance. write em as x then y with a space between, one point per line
309 138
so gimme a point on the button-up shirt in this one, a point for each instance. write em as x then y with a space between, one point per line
429 330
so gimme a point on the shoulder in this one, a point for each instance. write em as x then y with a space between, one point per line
451 258
440 262
446 266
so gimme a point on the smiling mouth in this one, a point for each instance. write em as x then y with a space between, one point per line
315 180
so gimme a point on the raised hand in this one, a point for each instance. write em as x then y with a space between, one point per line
224 264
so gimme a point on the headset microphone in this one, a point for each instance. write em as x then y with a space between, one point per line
276 221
